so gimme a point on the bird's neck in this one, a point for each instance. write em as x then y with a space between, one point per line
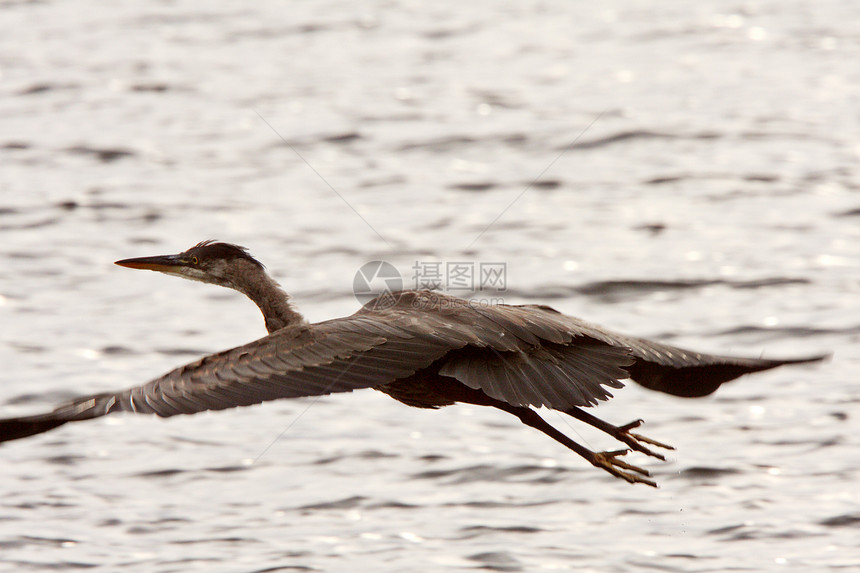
272 301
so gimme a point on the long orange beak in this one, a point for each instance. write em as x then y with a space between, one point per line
161 263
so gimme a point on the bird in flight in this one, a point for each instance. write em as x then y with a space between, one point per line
423 348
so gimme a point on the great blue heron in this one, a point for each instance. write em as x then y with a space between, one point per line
425 349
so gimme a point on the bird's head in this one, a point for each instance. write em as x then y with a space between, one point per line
210 262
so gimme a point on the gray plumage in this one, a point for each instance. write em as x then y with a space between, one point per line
426 349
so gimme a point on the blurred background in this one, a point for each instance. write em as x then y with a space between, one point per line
682 172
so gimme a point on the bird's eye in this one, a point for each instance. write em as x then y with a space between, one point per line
194 260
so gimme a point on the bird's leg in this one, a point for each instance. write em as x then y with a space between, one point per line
621 433
453 391
608 461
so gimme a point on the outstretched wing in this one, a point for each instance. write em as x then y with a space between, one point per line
361 351
656 366
558 361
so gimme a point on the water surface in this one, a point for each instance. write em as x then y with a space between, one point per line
687 173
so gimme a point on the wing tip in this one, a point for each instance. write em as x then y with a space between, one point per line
823 357
17 428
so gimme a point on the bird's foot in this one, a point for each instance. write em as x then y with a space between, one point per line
610 462
621 433
635 441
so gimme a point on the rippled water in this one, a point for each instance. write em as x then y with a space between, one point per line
688 173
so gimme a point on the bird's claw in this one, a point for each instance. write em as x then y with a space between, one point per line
610 462
635 441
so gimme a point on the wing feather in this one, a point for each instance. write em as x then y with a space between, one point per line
657 366
341 355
